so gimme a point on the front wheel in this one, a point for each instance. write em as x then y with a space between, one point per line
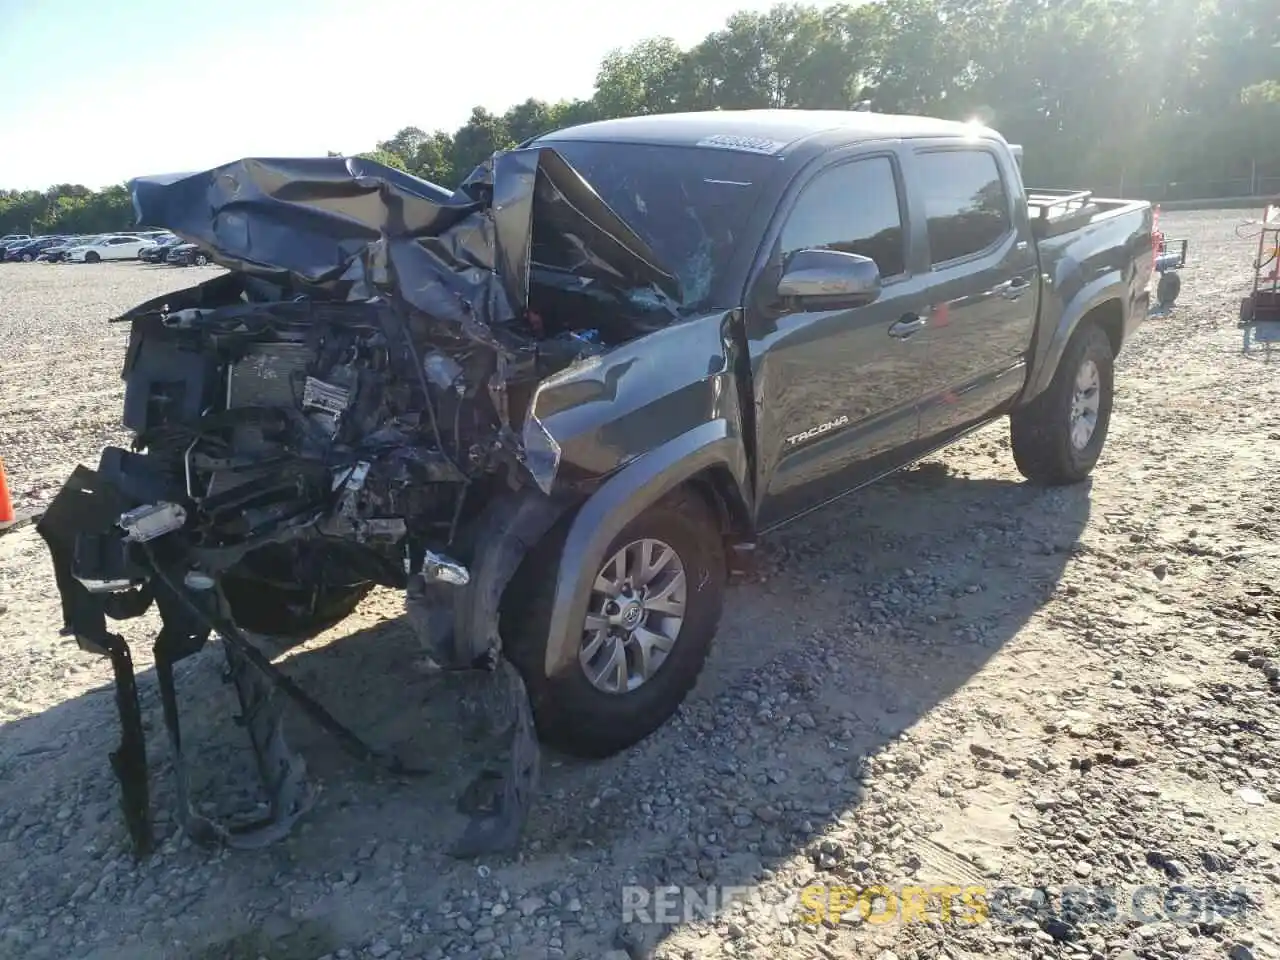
654 609
201 260
27 258
91 257
1058 437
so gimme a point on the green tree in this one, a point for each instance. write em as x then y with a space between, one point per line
433 160
1133 95
650 77
529 119
385 157
404 145
477 140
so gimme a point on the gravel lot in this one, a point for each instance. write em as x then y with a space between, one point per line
952 678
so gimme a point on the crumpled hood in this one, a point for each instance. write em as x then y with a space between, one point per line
353 229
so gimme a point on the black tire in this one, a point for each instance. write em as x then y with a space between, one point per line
201 260
91 257
570 713
286 614
1168 288
27 258
1041 430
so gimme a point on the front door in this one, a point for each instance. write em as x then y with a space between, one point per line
837 391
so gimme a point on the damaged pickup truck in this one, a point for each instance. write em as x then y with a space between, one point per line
558 405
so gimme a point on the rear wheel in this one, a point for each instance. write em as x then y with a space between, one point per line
201 260
27 258
91 257
1058 437
1168 288
654 609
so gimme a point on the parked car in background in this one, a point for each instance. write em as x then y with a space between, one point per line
186 255
58 251
12 242
11 245
107 248
158 249
12 237
29 250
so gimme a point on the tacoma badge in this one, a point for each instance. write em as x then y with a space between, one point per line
817 431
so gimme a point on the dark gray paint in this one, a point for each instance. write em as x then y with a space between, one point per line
1009 313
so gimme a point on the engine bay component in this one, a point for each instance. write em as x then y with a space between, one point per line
154 520
440 569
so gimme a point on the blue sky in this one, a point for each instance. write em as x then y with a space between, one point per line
101 90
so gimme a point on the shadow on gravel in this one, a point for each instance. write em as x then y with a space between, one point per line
868 614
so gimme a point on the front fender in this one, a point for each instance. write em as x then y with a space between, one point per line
597 415
505 533
711 445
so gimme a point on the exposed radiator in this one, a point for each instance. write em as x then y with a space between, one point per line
269 375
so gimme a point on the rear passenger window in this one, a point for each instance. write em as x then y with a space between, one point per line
965 202
852 208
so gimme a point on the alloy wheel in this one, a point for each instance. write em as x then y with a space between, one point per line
637 607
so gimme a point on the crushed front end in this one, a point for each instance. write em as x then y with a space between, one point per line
348 407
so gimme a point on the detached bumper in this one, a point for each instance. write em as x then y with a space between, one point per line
112 562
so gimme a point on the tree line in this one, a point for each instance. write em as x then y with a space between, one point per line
1139 97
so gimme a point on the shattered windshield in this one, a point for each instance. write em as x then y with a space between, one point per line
689 204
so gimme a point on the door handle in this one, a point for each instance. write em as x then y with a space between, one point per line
907 325
1015 288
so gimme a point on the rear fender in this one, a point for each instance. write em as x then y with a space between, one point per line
1100 272
1106 289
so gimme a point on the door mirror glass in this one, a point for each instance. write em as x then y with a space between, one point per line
828 279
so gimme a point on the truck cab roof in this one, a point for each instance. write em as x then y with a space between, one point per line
771 132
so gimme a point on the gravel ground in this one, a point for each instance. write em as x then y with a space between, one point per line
951 679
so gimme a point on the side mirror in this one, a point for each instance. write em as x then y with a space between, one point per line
828 279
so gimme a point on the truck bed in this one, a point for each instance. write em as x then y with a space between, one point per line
1055 212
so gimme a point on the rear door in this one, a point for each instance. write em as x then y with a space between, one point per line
837 391
983 278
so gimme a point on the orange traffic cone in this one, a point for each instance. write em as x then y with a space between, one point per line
6 503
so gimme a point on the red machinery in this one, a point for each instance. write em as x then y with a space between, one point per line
1260 311
1167 256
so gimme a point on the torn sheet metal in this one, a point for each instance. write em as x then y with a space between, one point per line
351 229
